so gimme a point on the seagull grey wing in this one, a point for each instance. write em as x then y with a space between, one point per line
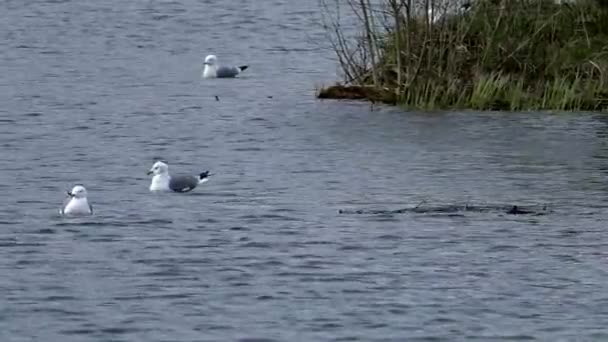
224 71
183 183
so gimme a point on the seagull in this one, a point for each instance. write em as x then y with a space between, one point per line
76 204
213 70
161 181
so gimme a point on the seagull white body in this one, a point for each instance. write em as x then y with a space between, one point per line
162 181
77 204
213 70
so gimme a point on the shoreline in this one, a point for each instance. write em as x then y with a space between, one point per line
507 55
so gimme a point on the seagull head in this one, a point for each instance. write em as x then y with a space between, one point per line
78 191
210 60
159 168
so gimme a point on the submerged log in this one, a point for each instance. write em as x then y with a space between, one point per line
450 209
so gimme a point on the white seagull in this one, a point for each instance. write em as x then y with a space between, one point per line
213 70
76 204
161 181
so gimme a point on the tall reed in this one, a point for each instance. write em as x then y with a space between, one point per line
487 54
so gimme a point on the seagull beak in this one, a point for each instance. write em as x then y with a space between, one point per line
70 194
206 63
149 172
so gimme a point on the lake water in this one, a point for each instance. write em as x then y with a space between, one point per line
93 92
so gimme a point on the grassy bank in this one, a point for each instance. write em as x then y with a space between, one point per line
499 54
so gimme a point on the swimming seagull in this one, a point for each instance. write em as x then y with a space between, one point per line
76 204
213 70
161 181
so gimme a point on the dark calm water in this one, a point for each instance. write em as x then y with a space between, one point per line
94 91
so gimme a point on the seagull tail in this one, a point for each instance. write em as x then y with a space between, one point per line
243 67
203 177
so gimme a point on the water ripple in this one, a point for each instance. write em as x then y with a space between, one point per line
96 90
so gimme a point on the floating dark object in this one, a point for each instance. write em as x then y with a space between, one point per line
352 92
451 209
519 211
217 98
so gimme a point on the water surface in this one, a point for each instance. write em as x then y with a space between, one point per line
93 92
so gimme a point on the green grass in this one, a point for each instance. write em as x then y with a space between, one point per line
526 55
